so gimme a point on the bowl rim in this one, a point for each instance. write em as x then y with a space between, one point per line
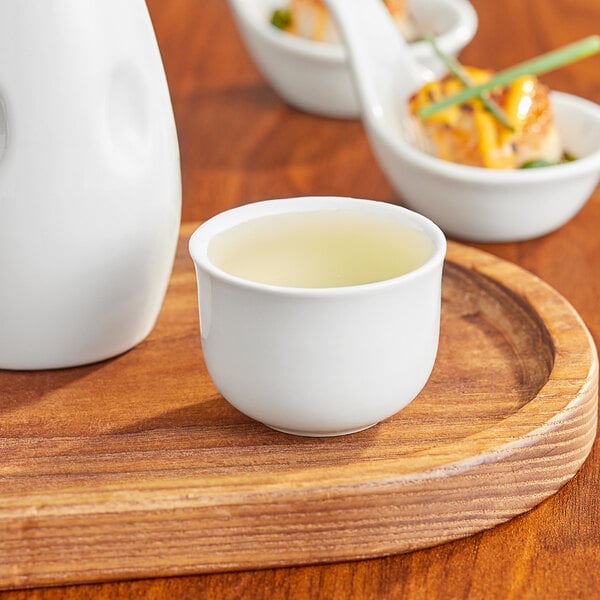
199 242
588 110
451 41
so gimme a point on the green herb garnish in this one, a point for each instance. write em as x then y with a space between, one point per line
540 162
458 71
536 66
281 18
534 164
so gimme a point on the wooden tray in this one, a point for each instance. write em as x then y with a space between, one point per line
136 467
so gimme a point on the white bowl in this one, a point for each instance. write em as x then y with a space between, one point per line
315 76
489 205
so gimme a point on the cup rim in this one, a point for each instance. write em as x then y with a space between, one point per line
200 239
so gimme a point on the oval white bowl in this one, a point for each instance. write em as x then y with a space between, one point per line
490 205
315 76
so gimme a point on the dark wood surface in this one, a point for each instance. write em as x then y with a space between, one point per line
239 143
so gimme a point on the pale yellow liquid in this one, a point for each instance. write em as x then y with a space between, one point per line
320 249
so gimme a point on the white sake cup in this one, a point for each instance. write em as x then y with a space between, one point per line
319 361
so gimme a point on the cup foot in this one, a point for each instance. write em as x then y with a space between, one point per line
326 433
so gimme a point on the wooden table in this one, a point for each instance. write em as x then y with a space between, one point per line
240 143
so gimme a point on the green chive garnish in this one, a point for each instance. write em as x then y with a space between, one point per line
540 162
281 18
535 164
458 71
536 66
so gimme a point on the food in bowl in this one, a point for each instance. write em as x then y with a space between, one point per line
310 19
504 126
468 133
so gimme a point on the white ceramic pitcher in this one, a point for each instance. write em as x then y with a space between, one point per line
90 187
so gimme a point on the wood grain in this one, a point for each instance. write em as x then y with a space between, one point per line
126 480
239 142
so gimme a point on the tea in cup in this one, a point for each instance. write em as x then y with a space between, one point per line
319 316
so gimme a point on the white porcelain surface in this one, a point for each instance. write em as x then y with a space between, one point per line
318 362
469 203
315 77
90 197
486 205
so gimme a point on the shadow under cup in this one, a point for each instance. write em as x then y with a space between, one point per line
319 316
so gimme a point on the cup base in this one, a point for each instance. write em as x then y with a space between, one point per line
319 433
